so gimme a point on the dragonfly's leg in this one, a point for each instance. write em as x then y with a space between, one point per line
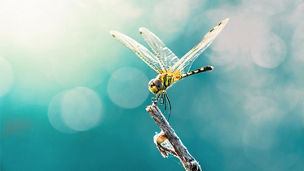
155 99
165 102
160 99
167 97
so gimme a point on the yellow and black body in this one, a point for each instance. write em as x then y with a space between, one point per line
166 79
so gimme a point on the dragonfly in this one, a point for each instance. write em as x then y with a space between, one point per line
169 67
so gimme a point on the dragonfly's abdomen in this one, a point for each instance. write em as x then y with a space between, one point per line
202 69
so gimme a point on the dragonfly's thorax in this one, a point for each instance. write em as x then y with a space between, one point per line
162 82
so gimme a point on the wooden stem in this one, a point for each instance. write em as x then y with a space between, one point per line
178 149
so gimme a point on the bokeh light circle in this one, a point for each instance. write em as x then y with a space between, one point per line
128 87
78 109
54 114
270 53
6 76
81 109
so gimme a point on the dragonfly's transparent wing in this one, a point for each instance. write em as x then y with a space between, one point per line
164 54
189 58
170 58
142 52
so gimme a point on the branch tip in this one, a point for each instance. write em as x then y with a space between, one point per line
167 134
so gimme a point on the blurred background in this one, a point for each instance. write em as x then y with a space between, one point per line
73 98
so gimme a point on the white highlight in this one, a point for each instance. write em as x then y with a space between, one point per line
6 76
128 87
32 23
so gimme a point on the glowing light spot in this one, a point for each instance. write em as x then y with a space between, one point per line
81 109
34 23
74 110
54 114
6 76
128 87
269 53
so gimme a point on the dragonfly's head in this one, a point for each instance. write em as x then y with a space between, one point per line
155 85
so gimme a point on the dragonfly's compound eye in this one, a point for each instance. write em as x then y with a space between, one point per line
157 82
151 83
155 85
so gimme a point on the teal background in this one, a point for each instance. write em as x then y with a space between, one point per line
247 114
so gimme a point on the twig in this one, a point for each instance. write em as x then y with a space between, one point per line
168 142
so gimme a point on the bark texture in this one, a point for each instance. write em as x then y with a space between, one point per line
168 142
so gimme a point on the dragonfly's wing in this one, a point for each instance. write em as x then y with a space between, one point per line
142 52
189 57
165 55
